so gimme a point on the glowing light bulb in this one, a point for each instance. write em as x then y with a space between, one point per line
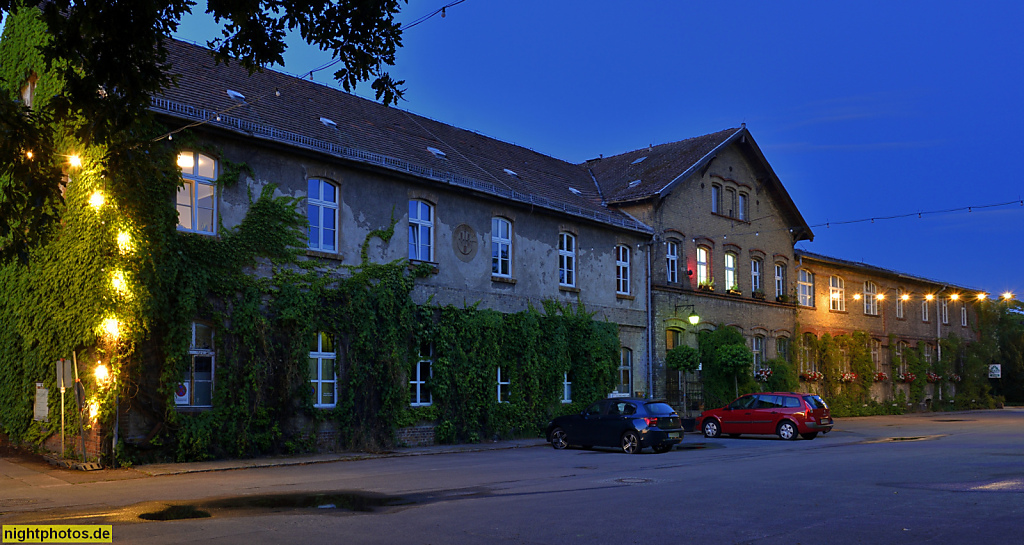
954 297
880 297
28 154
124 242
102 374
856 297
982 296
905 297
75 161
1007 295
96 200
117 281
94 409
112 327
929 297
186 161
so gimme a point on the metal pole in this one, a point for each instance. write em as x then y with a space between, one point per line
80 399
650 326
61 365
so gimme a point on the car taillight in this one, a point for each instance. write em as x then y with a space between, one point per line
651 421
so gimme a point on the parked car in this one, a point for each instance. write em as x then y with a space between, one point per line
628 423
785 414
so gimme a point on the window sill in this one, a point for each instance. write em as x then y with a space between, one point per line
873 315
571 289
503 279
732 218
625 296
325 255
838 311
414 264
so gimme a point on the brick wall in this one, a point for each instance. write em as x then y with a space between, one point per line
416 436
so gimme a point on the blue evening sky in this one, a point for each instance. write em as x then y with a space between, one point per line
864 109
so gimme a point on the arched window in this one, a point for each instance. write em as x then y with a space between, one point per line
501 247
672 261
836 293
196 201
625 372
741 207
870 298
805 288
757 347
780 280
673 338
808 353
755 276
716 199
901 298
622 269
731 282
421 231
703 270
566 259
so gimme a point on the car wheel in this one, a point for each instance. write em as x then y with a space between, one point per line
661 449
809 435
558 439
787 430
712 429
630 443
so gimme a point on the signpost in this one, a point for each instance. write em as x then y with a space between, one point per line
64 380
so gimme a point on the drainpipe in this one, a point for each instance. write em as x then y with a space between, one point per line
938 337
650 323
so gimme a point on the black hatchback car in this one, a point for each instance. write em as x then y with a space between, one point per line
629 423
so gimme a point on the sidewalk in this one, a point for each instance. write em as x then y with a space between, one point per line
154 470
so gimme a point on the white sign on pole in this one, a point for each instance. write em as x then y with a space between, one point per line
995 370
42 408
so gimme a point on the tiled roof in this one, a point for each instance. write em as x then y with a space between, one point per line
654 167
798 253
286 109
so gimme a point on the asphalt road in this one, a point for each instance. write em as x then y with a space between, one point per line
933 478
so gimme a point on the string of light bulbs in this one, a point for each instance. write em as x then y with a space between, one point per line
440 10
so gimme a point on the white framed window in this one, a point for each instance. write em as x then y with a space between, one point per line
323 378
421 231
196 200
566 259
963 314
625 385
782 348
501 247
944 311
672 261
504 387
876 353
870 298
703 271
755 274
673 338
808 353
929 353
741 207
419 390
322 211
805 288
566 388
730 271
757 347
730 202
196 387
901 296
924 310
780 280
836 293
622 269
716 199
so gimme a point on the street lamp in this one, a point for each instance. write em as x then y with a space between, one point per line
693 318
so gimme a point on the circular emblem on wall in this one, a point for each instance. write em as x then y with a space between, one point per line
464 242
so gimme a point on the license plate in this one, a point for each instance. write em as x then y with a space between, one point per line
673 435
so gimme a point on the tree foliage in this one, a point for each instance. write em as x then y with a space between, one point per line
104 59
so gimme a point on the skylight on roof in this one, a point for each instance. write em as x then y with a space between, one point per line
236 96
328 123
511 173
640 160
437 153
576 191
634 183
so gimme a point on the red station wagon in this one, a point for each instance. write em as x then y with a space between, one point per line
783 413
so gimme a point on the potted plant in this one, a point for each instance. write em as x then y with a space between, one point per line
847 377
707 285
763 374
782 298
932 377
734 290
881 376
757 294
